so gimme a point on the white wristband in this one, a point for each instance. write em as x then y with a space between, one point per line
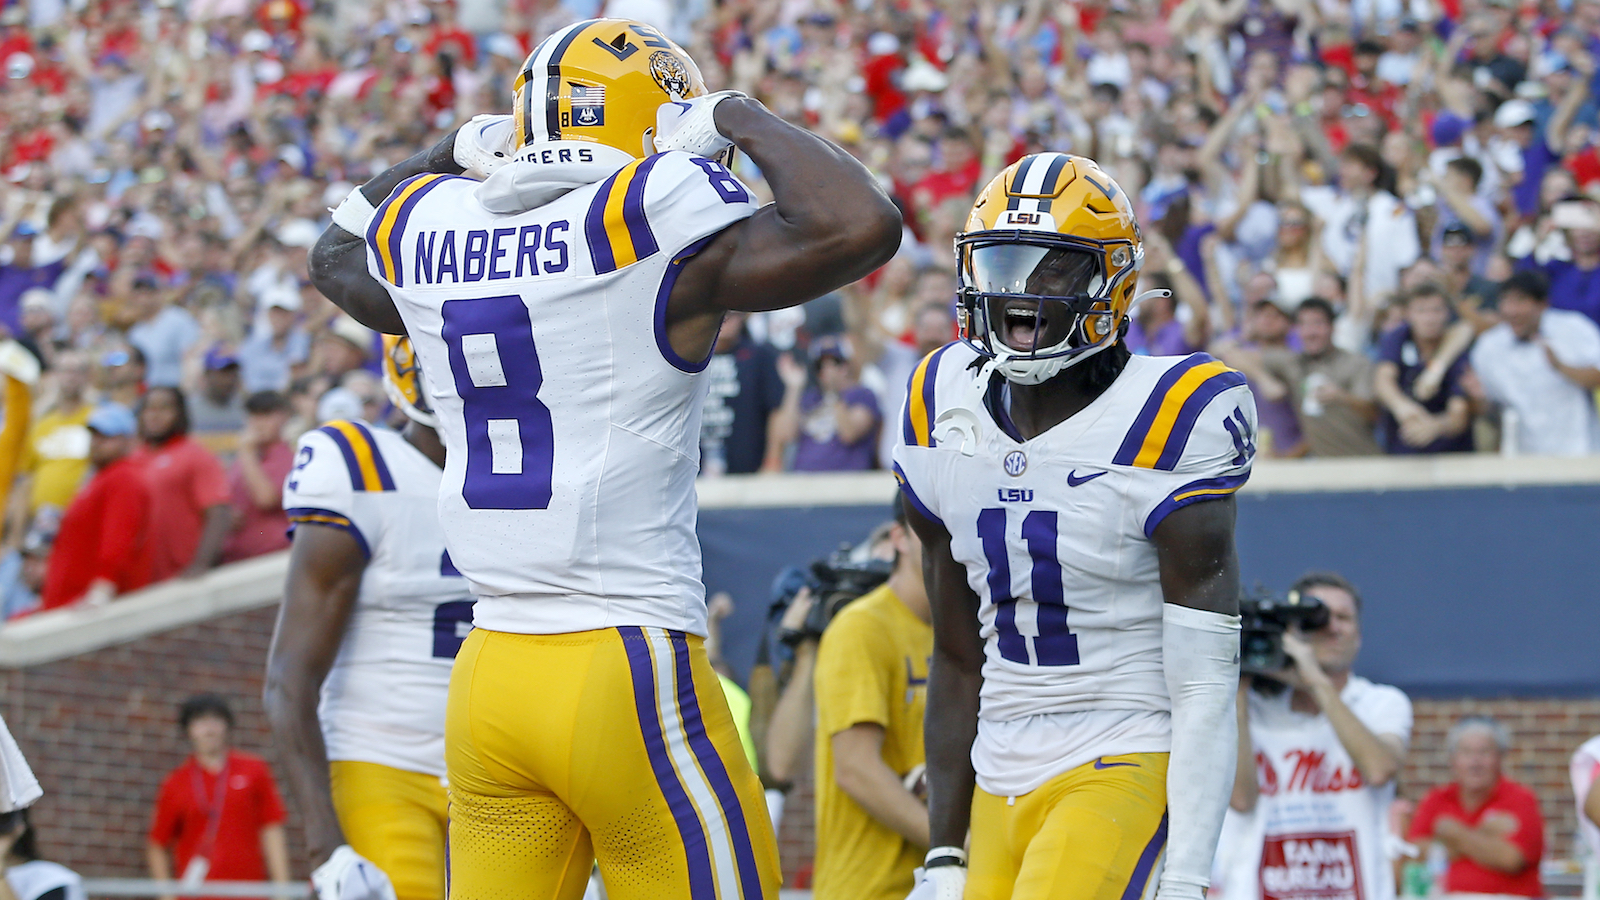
354 213
945 853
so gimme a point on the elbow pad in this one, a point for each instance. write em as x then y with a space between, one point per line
1200 654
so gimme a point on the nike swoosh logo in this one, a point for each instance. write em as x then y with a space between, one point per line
1100 762
1073 480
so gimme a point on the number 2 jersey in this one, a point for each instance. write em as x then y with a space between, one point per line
1055 536
383 700
572 427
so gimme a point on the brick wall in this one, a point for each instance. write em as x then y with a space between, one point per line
99 730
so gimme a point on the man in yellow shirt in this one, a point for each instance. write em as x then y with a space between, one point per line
871 683
56 456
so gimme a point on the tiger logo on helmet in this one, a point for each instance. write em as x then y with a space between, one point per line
601 80
1047 264
402 380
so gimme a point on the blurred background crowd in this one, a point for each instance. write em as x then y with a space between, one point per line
1379 210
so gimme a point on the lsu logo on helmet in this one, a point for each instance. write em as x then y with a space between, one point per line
1047 264
601 80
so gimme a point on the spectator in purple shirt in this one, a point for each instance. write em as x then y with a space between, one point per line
18 274
834 424
1406 425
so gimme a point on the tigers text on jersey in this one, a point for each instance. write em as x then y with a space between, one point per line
572 428
1054 533
383 700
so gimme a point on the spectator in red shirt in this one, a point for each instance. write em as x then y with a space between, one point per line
1489 825
102 548
188 489
218 816
256 479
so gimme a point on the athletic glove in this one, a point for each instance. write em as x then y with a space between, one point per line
691 126
947 881
347 875
485 143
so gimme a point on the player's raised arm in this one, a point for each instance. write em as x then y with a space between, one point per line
955 676
1200 652
829 223
338 262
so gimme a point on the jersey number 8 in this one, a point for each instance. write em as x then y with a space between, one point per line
510 437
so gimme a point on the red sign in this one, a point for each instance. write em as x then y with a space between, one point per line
1311 867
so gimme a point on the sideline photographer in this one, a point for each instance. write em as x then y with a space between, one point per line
1319 750
871 684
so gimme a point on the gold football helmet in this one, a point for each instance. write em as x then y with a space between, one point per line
1048 263
602 80
402 380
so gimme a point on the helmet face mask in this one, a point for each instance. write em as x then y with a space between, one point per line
1047 266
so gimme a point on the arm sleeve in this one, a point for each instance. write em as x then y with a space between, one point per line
1207 457
853 677
1388 712
321 489
1585 344
164 825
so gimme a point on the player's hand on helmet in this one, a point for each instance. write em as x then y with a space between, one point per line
943 875
691 125
347 875
486 143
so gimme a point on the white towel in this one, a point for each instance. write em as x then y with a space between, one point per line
18 787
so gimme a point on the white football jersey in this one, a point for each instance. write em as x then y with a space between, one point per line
568 498
383 700
1054 533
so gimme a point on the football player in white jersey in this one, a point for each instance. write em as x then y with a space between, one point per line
563 310
1076 509
373 614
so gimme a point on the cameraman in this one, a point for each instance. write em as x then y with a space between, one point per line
871 683
1319 750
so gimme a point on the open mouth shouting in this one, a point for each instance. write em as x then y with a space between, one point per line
1024 322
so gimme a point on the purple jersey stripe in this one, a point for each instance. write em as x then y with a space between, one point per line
715 771
399 229
663 294
928 382
385 480
644 241
702 885
1183 426
594 228
357 483
1198 492
911 495
307 515
1147 861
1129 451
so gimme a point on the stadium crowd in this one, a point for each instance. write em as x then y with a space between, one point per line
1375 209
